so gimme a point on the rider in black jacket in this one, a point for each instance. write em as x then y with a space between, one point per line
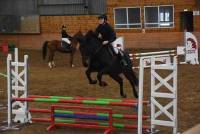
106 33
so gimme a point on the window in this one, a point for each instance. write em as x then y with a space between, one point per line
159 16
166 16
127 17
71 7
19 16
19 24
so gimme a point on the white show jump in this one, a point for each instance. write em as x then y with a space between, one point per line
17 84
18 87
159 61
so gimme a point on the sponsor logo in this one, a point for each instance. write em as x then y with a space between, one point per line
191 45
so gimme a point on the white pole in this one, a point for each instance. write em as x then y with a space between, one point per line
152 91
9 86
156 56
154 53
26 86
175 93
140 99
185 45
16 71
9 96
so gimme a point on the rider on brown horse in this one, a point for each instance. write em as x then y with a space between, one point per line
65 37
55 45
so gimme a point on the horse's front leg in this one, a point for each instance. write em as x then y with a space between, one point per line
99 77
88 74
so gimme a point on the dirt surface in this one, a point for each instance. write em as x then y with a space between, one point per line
66 81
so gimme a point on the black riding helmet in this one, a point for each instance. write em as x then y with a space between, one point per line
103 16
63 26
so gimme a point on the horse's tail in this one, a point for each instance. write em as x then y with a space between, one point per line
44 49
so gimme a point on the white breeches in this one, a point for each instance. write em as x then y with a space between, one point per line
118 44
66 40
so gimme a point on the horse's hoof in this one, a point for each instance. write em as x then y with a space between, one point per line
93 82
50 67
103 84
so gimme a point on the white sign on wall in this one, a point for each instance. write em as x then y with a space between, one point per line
191 48
196 13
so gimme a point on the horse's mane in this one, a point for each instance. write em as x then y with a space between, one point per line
90 42
91 35
87 37
78 34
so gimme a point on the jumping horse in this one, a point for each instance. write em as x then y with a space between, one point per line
55 45
97 58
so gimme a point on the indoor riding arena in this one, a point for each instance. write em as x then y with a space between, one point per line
144 81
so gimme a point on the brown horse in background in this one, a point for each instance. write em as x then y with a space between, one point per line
55 45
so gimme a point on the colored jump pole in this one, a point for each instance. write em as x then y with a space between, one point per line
87 98
3 75
89 102
109 128
73 121
70 112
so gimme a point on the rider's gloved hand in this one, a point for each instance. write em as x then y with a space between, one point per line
100 36
105 42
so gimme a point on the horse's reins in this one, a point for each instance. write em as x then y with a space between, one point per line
98 50
102 47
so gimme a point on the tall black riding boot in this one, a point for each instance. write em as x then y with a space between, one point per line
123 59
111 50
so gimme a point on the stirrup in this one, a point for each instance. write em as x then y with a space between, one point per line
120 53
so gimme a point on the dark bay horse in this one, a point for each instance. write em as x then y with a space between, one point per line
97 58
55 45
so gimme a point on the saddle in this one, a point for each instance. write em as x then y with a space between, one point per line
124 57
65 45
